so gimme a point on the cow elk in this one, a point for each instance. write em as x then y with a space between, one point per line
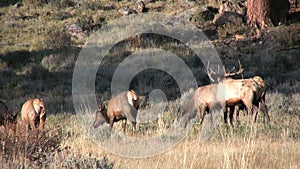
252 93
120 107
33 113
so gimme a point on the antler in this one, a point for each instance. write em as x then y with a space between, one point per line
233 74
209 72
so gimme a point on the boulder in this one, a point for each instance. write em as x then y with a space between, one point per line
224 17
229 11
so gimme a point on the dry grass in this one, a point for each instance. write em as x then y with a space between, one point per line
65 144
247 146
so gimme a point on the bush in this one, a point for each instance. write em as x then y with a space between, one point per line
57 62
62 3
231 28
287 36
57 39
21 149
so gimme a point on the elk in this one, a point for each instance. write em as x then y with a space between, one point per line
120 107
251 94
33 113
240 92
228 93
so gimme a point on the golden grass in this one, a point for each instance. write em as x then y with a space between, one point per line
230 153
247 146
254 147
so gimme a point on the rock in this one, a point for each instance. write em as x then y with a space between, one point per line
11 23
229 11
239 37
74 28
205 13
125 11
140 6
187 14
234 7
224 17
76 31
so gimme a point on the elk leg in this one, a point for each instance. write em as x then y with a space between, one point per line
255 113
264 109
232 114
133 126
249 106
226 113
237 113
111 123
202 114
124 125
33 124
42 123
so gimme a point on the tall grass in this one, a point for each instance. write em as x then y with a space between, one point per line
248 145
64 144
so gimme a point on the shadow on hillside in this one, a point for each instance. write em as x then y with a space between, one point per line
17 84
294 17
4 3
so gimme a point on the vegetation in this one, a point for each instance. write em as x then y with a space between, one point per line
247 145
38 51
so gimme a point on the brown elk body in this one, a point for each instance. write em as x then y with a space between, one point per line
123 107
249 95
33 113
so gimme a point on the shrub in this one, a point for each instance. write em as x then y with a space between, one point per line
57 39
287 36
231 28
59 15
57 62
21 149
62 3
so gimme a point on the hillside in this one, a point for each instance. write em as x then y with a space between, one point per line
41 40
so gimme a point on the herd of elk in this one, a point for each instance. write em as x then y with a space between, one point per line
228 95
120 107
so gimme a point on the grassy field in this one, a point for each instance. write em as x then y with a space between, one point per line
37 58
66 145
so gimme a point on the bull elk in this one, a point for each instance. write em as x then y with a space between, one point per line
228 93
33 113
247 93
120 107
